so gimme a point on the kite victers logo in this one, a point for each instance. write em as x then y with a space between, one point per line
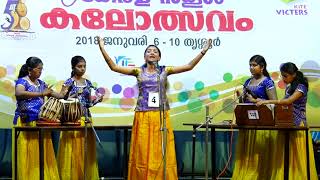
15 16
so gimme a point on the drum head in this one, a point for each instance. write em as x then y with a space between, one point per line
69 100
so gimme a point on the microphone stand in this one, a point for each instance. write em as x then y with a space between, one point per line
85 141
90 122
82 107
163 126
86 120
208 119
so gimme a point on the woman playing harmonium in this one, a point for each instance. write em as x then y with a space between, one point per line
252 161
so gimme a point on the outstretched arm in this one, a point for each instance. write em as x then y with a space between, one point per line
21 93
193 62
111 64
295 96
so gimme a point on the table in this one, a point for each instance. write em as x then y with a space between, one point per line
42 129
213 128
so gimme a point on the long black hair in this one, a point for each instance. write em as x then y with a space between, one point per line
31 63
291 68
74 61
262 62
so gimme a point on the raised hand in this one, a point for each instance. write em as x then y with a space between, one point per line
101 41
208 45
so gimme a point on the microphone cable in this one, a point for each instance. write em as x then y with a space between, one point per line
158 170
230 144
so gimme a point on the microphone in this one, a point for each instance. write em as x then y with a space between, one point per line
88 87
94 88
66 96
250 92
98 95
155 63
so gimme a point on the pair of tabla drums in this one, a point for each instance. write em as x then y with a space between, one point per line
60 112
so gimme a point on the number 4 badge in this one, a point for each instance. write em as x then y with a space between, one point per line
153 100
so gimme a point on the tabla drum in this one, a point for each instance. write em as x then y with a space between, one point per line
50 112
71 112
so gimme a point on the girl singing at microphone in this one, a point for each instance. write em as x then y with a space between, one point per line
146 153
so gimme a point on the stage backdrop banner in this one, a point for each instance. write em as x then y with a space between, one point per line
57 30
